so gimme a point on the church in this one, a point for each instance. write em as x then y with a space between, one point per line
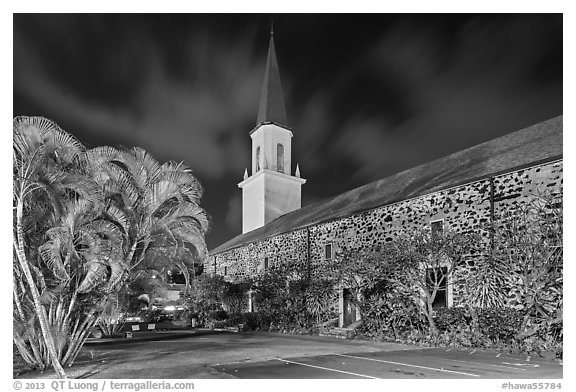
460 192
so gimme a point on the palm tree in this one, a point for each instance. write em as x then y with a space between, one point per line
81 250
155 205
41 152
84 222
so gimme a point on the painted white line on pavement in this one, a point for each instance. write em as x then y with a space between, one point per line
325 368
532 361
522 364
409 365
475 363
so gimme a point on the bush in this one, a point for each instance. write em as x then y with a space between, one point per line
499 325
218 315
452 319
256 321
497 328
235 319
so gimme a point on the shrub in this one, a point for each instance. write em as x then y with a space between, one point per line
235 319
218 315
499 325
452 319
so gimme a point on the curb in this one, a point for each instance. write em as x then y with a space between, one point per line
158 336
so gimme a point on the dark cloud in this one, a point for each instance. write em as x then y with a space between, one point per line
234 213
367 95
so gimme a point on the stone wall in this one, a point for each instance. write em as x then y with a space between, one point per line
466 208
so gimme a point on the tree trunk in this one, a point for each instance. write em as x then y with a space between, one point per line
38 307
130 255
430 317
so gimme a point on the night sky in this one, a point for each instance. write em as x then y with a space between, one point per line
366 95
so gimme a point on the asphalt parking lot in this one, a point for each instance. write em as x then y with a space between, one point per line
434 363
221 355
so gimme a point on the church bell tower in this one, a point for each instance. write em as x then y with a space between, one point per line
271 190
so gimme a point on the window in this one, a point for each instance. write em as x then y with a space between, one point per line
280 158
437 227
328 251
437 277
258 158
264 264
225 270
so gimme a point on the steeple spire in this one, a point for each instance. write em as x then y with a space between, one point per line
271 107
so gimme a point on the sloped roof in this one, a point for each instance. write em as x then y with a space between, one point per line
536 144
271 109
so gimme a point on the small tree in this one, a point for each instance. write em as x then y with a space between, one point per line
387 302
529 243
429 261
205 295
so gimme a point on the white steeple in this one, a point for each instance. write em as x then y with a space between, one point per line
271 190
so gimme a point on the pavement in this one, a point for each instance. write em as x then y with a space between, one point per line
435 363
197 354
151 336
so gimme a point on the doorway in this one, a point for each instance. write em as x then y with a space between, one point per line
349 308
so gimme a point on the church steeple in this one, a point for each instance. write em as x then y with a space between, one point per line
271 191
271 109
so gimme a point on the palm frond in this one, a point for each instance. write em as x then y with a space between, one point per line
96 273
50 253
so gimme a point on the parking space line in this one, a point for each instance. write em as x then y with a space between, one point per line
532 361
475 363
325 368
409 365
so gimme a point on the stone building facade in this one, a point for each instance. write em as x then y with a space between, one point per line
461 192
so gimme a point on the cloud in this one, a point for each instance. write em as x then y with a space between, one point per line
201 118
457 96
234 213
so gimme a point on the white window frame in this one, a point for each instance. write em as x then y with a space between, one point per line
331 244
449 286
435 221
264 264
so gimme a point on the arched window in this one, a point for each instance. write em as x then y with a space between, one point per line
280 158
258 158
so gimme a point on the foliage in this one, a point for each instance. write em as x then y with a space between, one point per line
111 319
205 296
523 272
387 308
84 224
284 301
486 282
288 301
235 296
395 295
450 319
498 324
403 277
427 260
60 242
529 240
